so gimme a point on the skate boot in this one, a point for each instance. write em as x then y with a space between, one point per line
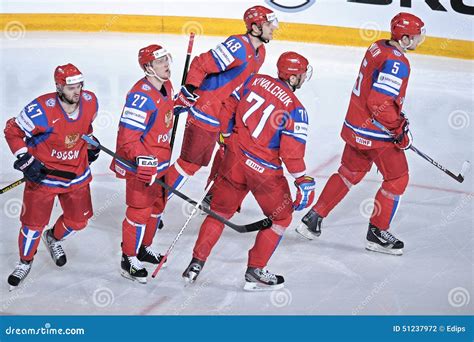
258 279
133 269
54 247
146 254
19 274
310 226
192 271
383 242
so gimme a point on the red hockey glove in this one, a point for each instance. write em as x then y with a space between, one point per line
402 135
305 192
146 169
185 99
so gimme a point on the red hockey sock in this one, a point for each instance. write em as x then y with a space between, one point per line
265 244
132 235
150 230
60 230
28 240
334 191
385 208
209 234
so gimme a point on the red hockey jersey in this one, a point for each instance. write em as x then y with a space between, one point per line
378 94
219 72
271 125
145 126
44 130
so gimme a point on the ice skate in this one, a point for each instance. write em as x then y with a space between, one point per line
310 226
19 274
54 247
258 279
193 270
383 241
133 269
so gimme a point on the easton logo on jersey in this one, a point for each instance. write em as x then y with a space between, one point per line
71 139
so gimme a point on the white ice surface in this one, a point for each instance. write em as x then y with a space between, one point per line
331 275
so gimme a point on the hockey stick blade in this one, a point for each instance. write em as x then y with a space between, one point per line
466 166
247 228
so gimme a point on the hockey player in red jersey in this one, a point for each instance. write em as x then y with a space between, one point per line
377 99
46 135
144 138
271 129
212 78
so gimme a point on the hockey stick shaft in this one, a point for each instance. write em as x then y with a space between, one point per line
57 173
193 212
183 80
459 177
259 225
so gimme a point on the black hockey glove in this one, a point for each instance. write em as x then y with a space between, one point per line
33 169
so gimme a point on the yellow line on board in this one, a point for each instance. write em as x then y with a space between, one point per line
219 27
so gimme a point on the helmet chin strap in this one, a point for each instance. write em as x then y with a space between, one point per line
260 35
406 47
153 74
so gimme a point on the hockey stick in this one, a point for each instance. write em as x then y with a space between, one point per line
183 80
195 209
252 227
464 168
58 173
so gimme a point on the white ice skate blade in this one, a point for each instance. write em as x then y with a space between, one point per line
256 287
305 232
13 288
191 279
127 275
374 247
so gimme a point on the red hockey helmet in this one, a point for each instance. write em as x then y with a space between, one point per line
259 15
150 53
67 74
292 63
406 24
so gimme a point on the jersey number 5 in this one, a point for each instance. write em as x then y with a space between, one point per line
265 114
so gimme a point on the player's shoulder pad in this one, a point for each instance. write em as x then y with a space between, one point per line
396 67
140 99
88 96
34 114
236 45
299 113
